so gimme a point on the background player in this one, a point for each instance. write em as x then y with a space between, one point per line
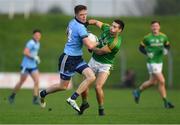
154 45
29 66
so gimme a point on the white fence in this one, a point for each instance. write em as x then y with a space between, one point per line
9 80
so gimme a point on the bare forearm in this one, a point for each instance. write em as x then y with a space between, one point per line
98 51
95 22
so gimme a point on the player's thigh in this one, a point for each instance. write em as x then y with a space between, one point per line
93 65
35 76
101 79
152 78
23 77
64 83
67 66
23 74
160 77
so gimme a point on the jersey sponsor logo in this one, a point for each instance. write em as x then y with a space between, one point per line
156 42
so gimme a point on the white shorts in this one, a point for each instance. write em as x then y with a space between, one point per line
154 67
99 67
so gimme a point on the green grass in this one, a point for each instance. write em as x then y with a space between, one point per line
119 107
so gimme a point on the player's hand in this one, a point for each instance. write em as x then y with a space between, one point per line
165 51
101 42
150 55
89 50
37 59
92 21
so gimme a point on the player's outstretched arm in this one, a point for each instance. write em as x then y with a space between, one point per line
90 45
102 51
95 22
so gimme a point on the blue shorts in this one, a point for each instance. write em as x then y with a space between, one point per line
25 70
68 65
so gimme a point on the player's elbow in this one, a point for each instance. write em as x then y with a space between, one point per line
26 53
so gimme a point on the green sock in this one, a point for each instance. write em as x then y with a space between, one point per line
84 101
165 100
139 91
101 107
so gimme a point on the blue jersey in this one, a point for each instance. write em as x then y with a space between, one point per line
76 32
33 47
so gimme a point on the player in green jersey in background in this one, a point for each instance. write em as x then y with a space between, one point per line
154 45
103 58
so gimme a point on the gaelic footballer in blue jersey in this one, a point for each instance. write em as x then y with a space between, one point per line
29 66
71 60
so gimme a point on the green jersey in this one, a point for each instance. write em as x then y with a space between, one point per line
155 45
112 42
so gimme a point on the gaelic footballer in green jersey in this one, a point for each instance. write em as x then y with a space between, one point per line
103 58
154 45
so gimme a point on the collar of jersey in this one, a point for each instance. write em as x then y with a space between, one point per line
79 21
34 40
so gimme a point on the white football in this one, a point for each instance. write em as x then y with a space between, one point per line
92 37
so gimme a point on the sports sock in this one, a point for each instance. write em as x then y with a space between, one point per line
139 91
165 99
13 95
84 101
43 93
101 107
35 97
74 96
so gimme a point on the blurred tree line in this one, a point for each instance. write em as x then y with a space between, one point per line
55 10
168 7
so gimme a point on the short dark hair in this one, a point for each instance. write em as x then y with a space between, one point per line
79 8
121 23
155 21
36 30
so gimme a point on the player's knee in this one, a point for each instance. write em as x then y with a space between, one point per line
98 87
36 82
162 82
153 81
91 78
63 86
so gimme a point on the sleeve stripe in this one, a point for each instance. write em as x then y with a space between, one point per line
114 43
84 36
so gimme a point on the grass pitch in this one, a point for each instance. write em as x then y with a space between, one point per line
119 107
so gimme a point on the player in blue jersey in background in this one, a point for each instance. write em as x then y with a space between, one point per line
71 60
29 66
